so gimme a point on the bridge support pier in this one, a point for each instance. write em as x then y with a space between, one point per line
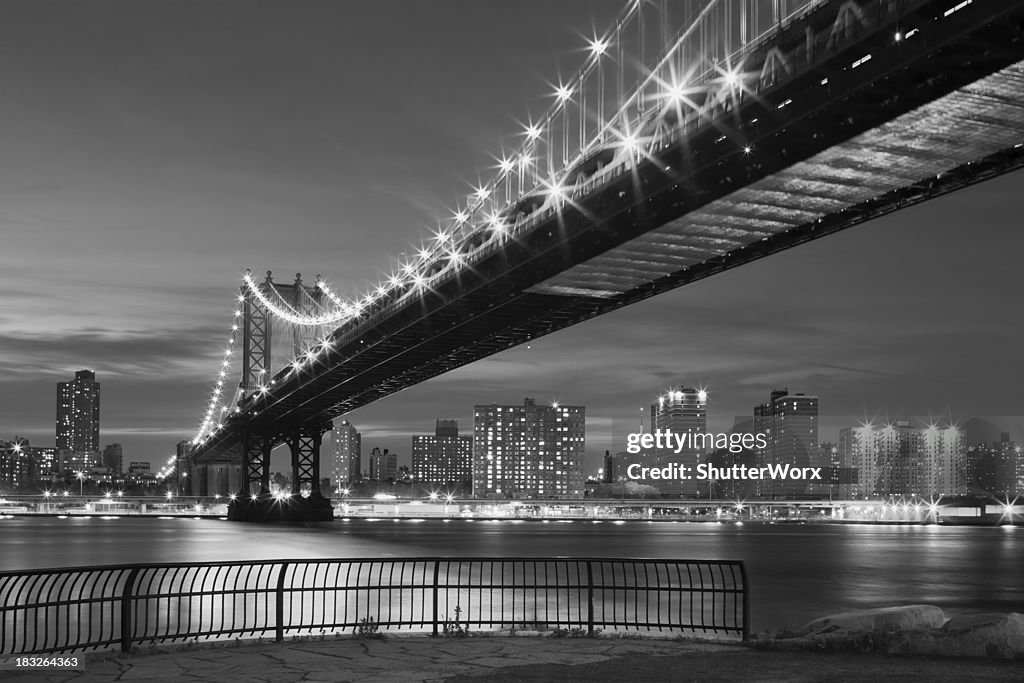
305 503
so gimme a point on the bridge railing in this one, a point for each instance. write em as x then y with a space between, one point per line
109 607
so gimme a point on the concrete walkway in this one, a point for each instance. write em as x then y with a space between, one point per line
498 659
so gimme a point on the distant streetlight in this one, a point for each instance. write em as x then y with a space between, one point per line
81 481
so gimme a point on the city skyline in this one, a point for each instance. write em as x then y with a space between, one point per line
608 431
147 188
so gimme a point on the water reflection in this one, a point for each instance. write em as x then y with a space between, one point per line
796 572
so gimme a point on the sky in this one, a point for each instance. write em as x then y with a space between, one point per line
151 152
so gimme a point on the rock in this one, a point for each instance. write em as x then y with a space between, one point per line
997 636
882 619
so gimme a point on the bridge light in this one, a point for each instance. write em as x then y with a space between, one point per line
556 191
732 78
481 193
676 93
533 131
461 216
598 46
506 165
424 253
563 93
746 149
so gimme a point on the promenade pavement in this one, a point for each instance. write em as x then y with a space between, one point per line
506 659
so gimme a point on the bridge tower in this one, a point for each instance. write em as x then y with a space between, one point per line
255 502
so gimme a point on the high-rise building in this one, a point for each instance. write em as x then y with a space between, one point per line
528 451
608 468
1018 468
16 467
443 459
682 410
383 465
44 461
896 459
995 467
790 424
838 476
347 460
183 468
113 458
138 473
78 421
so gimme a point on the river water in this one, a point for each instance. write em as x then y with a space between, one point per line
796 572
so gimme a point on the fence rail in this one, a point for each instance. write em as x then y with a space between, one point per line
118 606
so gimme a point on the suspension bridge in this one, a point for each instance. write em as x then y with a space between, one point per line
695 137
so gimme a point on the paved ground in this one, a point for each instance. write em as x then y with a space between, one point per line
501 659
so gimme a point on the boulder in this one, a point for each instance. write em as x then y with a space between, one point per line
996 636
880 620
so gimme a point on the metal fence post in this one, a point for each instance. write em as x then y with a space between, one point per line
437 569
279 598
746 601
590 598
126 611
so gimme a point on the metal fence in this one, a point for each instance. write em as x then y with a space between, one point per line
83 608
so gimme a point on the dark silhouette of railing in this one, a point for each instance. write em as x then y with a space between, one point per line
83 608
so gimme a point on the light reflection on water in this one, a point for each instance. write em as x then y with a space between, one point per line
797 572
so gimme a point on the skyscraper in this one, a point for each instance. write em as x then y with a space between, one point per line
528 451
383 465
347 459
113 458
78 421
681 410
444 459
790 423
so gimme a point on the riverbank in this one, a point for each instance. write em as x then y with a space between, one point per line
505 659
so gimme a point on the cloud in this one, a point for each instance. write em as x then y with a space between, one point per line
138 353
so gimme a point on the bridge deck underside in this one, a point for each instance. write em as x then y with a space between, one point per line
974 122
900 129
